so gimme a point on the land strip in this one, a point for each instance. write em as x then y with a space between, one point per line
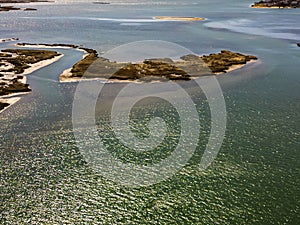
277 4
14 65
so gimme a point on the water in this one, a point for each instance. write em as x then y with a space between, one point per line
255 178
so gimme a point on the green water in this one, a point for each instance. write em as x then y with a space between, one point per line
254 179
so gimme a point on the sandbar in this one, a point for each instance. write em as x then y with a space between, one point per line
175 18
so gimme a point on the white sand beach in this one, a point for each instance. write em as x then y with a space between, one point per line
7 78
41 46
175 18
236 67
41 64
9 101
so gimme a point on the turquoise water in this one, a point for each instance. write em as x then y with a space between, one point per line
254 179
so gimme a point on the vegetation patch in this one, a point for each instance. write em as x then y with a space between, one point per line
23 58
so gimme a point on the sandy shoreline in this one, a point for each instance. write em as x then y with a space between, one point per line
41 64
41 46
9 101
104 80
51 47
10 98
271 7
240 66
175 18
67 72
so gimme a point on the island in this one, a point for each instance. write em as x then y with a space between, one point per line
175 18
9 39
12 8
7 8
277 4
227 61
22 1
14 65
101 3
30 45
186 68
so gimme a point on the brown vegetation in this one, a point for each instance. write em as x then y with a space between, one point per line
80 67
189 66
22 1
3 105
24 57
277 4
221 62
15 61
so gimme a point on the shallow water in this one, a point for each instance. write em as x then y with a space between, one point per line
254 179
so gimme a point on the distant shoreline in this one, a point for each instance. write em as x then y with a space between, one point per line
277 4
22 1
175 18
7 8
270 7
13 8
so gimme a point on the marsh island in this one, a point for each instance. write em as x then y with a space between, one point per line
15 64
277 4
160 69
